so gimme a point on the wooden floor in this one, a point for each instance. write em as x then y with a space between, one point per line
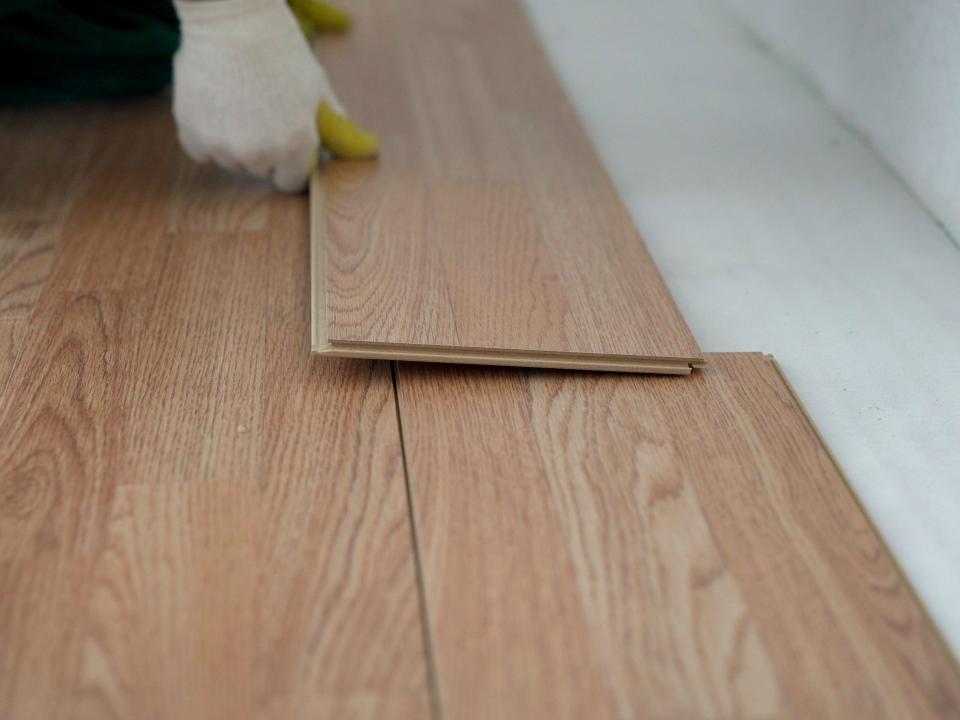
200 520
488 224
624 546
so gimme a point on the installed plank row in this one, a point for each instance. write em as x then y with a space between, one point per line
197 518
603 547
488 232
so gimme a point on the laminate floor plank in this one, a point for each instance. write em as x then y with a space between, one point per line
114 234
623 546
27 249
12 333
47 152
199 518
488 225
202 201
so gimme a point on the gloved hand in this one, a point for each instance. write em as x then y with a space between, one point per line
248 92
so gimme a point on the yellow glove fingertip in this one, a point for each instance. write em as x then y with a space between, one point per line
342 137
327 17
307 26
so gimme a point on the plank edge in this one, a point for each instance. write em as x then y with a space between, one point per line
489 357
924 610
318 283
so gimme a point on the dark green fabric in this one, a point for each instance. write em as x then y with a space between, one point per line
59 50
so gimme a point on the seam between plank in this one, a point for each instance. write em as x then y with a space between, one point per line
433 676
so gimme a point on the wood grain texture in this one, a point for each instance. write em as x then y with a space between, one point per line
47 152
321 344
12 333
197 519
26 251
623 546
488 223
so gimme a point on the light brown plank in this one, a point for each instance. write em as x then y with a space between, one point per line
47 152
11 338
488 224
206 199
26 252
12 333
114 235
623 546
197 518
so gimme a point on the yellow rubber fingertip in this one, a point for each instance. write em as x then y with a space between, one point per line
327 17
342 137
307 26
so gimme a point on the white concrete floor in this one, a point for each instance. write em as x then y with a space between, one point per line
779 230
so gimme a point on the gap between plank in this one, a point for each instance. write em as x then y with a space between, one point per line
433 676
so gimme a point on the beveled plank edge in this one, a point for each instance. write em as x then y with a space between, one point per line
318 281
924 611
319 343
531 360
605 358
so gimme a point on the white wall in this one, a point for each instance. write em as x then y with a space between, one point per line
889 67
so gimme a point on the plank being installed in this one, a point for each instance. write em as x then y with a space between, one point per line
488 232
622 546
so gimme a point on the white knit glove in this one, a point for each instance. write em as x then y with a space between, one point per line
246 89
